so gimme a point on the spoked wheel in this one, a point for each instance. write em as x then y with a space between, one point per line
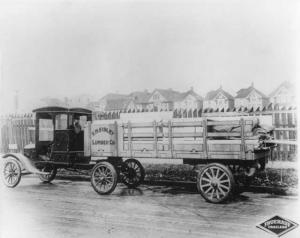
104 178
215 183
51 171
11 173
133 173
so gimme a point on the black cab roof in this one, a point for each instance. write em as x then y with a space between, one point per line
56 109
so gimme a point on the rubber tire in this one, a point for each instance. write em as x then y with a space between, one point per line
114 175
19 171
231 179
51 178
137 183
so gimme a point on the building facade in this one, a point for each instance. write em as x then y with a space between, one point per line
218 99
284 95
250 98
189 100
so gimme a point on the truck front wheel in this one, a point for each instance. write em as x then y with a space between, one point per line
11 172
104 178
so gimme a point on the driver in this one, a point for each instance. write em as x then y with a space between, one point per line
77 138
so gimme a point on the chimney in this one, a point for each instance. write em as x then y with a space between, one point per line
192 88
252 84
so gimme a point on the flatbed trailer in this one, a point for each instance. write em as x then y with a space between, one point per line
228 150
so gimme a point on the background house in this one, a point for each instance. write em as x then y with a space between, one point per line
112 102
218 99
163 99
138 100
189 100
284 94
250 98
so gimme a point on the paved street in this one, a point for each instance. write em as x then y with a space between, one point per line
72 209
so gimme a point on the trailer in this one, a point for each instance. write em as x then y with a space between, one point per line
224 152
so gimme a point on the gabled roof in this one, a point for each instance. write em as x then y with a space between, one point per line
244 92
116 104
169 94
288 85
113 96
140 97
212 94
190 92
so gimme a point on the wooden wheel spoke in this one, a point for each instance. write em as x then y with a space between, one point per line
209 189
212 194
205 185
208 175
225 187
221 190
217 193
222 175
217 175
224 181
212 172
205 179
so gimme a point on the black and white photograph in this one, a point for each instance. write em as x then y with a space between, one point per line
149 118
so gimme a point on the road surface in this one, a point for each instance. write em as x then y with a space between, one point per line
72 209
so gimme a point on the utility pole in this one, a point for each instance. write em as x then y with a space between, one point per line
16 101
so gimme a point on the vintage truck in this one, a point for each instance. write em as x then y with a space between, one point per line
224 152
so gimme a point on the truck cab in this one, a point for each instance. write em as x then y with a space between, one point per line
56 139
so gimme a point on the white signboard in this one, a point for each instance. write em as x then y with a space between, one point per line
103 139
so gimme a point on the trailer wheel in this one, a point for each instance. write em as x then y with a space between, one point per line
51 170
215 183
11 172
133 173
104 178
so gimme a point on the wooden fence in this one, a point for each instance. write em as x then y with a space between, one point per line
16 132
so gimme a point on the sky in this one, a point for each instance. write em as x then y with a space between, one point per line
66 48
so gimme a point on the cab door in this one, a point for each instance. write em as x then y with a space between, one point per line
61 142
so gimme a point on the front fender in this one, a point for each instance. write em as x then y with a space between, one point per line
25 162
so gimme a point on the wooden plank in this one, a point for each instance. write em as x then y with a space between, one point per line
285 129
228 123
187 124
138 125
242 123
170 130
223 134
155 138
225 156
285 142
224 148
186 134
129 139
139 134
188 147
205 148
